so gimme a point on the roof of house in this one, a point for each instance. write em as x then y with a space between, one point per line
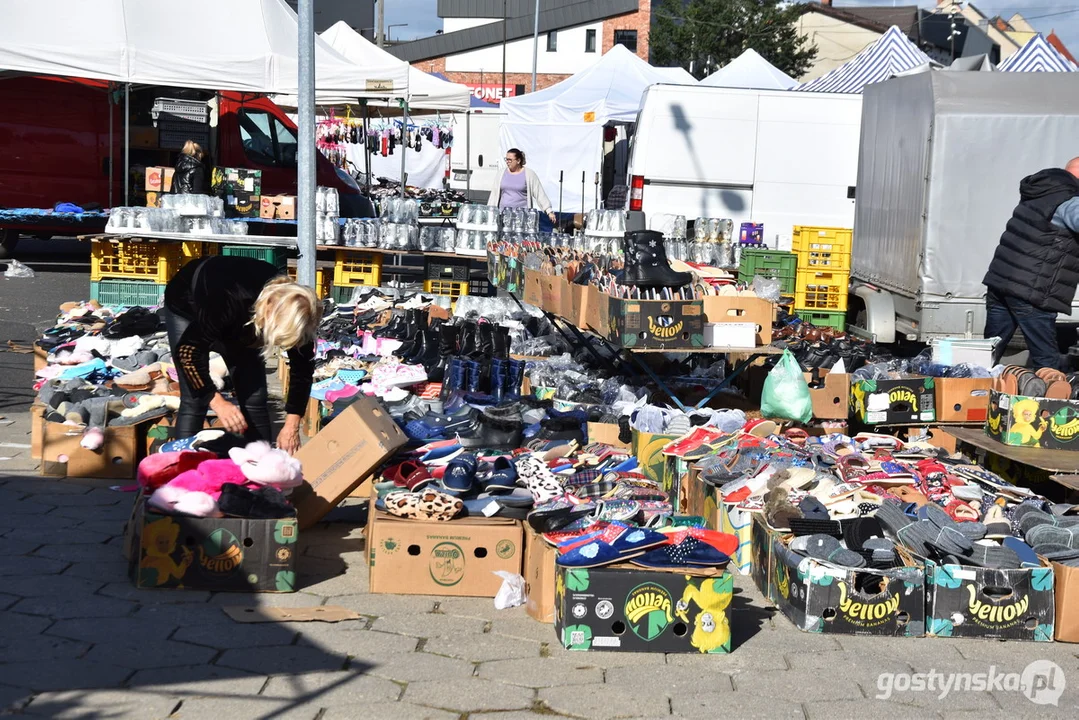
877 19
1057 43
554 15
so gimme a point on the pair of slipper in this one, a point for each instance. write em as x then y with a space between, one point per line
427 504
630 543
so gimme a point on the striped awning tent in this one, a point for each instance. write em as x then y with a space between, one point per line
891 55
1037 56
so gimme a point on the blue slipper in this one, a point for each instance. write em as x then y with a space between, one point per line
590 555
627 466
638 539
1027 556
422 432
440 452
460 475
503 477
691 552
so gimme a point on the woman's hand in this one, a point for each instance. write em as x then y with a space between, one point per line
552 217
289 437
229 415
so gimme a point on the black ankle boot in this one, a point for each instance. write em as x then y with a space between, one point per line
647 264
502 342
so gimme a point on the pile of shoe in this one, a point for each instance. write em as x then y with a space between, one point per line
854 501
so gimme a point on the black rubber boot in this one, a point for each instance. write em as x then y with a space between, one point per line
502 342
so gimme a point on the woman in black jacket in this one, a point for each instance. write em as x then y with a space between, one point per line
238 306
190 175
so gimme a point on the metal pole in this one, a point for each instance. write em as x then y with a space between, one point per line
535 45
366 148
127 144
502 92
380 39
468 155
305 116
112 156
404 142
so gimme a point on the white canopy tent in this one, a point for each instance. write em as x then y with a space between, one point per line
560 128
239 45
750 71
423 91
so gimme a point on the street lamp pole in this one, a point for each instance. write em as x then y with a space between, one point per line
502 92
535 45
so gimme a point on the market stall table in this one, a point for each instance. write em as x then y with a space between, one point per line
1062 466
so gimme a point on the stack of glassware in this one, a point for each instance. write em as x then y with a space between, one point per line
361 233
675 232
603 231
437 239
712 243
189 205
143 219
477 225
519 220
212 226
327 212
399 229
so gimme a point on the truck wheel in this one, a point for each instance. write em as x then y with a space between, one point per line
8 240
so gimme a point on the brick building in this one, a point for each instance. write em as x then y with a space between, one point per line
572 36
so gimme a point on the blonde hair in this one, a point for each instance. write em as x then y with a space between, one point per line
286 314
194 149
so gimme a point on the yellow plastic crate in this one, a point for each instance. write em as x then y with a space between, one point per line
353 268
193 250
825 291
453 288
323 281
822 248
135 260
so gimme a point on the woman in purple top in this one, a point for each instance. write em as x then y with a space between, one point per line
518 187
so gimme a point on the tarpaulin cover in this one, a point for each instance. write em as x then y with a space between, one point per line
551 148
239 45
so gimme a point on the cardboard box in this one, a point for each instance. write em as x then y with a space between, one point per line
342 455
730 335
551 293
726 308
539 574
579 303
963 601
606 433
648 449
533 292
220 554
143 137
41 357
153 199
963 399
417 557
597 311
888 402
1066 592
629 609
831 400
675 474
62 454
760 557
656 324
1033 421
158 180
277 207
242 204
37 430
824 598
228 181
704 500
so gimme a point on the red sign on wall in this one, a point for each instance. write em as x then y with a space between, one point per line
492 93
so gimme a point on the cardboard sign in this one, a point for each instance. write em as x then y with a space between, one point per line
628 609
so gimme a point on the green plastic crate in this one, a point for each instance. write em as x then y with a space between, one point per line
777 264
343 293
278 257
127 293
837 320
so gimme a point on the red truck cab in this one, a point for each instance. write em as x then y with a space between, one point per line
56 136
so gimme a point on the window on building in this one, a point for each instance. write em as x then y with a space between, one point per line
552 41
589 40
627 38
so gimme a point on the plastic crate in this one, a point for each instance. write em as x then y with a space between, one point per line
127 293
354 268
445 287
837 320
771 264
323 281
190 110
822 248
135 260
278 257
821 291
481 288
342 293
446 269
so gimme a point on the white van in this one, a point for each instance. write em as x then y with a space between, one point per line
476 155
776 157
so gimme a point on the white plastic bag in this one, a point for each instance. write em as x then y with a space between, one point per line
512 592
16 269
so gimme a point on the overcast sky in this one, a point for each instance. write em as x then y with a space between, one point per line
1044 15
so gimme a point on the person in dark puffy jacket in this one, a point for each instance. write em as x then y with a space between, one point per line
190 175
1035 269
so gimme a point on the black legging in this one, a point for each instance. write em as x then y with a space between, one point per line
248 372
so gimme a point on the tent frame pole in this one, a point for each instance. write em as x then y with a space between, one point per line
127 144
305 121
404 143
112 142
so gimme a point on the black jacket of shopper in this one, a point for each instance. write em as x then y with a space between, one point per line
1037 260
190 176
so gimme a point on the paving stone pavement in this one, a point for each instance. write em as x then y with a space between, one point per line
78 641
